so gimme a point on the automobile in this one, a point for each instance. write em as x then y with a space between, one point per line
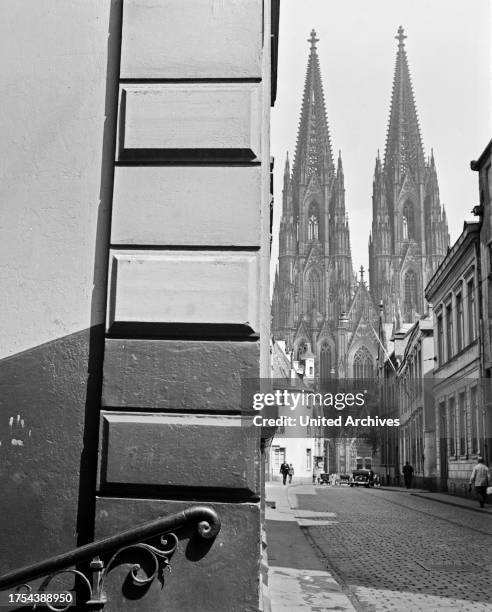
324 478
344 479
362 478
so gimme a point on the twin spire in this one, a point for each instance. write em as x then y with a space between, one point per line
403 151
313 147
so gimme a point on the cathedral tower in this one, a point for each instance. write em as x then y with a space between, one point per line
314 282
409 235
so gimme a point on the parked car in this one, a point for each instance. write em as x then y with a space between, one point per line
362 478
344 479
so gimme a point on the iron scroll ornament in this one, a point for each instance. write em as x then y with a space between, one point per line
127 542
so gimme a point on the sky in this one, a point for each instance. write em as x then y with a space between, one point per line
449 53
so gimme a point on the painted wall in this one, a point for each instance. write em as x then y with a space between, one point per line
54 193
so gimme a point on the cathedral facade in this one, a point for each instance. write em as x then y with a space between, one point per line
321 308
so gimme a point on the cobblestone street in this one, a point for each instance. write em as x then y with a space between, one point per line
396 551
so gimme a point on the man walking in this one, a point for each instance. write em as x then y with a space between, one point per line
480 478
284 470
291 472
407 475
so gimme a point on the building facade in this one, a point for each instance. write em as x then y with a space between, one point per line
484 211
454 292
417 431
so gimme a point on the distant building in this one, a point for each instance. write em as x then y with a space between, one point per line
303 447
415 402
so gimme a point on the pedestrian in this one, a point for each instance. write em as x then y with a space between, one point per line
407 475
480 478
284 470
315 474
291 472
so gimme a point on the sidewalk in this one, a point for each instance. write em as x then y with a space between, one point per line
445 498
297 579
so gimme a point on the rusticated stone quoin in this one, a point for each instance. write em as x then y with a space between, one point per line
171 374
155 450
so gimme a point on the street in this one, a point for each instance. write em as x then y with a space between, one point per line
390 550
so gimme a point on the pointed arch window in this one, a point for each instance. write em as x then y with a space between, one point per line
325 363
408 221
313 222
410 293
363 364
313 291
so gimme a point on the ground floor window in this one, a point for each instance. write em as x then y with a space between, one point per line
476 421
452 426
278 457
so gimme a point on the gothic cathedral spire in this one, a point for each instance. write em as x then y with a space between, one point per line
409 236
313 147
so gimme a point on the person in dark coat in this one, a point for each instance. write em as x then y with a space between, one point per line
407 475
284 470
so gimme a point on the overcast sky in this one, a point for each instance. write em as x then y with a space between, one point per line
448 49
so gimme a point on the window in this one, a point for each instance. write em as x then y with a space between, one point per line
368 463
408 221
475 421
449 330
459 321
471 310
278 458
452 426
325 363
440 339
313 291
363 364
462 421
410 293
313 222
308 459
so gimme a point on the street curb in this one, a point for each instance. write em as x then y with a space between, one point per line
428 495
450 503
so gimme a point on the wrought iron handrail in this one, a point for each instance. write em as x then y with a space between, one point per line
208 526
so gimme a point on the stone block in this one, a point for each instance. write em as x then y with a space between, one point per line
201 121
209 39
175 452
185 287
220 575
153 205
183 375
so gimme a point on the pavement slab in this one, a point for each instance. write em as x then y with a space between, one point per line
297 578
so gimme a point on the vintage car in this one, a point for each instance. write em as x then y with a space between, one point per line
344 479
362 478
324 478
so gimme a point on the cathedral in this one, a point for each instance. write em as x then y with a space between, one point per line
321 309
